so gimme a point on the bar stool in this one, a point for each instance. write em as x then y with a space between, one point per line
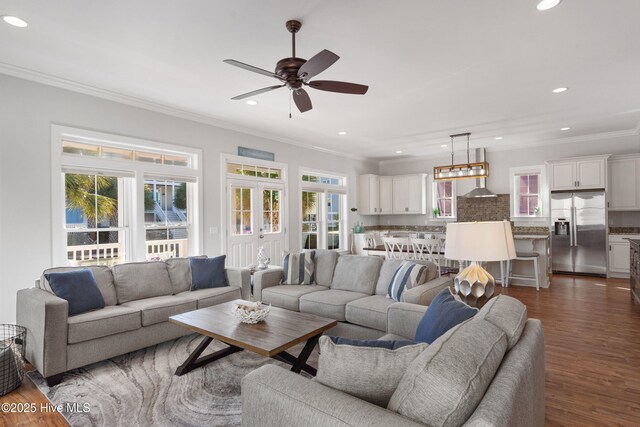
525 256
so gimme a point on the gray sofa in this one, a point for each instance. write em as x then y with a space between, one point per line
139 298
514 396
351 289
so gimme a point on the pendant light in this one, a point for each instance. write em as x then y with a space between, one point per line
463 170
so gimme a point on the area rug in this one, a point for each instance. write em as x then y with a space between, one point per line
140 388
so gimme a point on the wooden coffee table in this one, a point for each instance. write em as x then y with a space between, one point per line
281 330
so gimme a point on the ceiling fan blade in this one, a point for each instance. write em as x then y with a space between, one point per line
302 100
251 68
256 92
340 87
317 64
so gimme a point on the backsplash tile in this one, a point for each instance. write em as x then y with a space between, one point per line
483 208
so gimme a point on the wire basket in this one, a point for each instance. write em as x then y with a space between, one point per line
12 343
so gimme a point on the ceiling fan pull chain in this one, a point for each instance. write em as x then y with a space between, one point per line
290 96
451 150
468 148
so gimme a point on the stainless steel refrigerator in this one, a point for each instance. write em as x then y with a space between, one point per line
578 232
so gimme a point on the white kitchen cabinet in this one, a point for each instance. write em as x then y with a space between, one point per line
369 195
563 176
578 174
624 191
619 254
386 195
409 194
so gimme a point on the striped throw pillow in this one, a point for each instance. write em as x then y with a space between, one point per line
299 269
407 276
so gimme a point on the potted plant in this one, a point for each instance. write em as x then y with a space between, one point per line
436 212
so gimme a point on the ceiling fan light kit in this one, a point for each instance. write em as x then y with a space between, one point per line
294 73
462 170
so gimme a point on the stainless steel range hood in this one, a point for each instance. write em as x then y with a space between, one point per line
481 189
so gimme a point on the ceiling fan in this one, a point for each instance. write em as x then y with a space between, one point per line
296 72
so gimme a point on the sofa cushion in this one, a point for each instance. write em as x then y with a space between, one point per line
298 269
444 313
111 320
78 288
102 274
330 303
407 276
159 309
179 270
208 273
138 280
393 337
325 266
389 267
356 273
288 296
212 296
508 314
370 311
446 382
369 373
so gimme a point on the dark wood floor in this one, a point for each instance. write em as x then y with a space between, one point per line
592 343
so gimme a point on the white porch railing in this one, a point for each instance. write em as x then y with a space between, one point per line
113 253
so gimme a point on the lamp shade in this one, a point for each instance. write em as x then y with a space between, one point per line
479 241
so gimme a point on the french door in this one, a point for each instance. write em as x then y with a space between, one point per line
255 215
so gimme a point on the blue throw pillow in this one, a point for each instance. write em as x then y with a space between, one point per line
79 288
390 344
208 272
443 313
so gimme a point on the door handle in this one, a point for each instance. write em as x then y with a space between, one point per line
261 236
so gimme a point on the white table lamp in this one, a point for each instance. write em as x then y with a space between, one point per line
475 242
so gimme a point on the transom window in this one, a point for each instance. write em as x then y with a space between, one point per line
123 153
254 170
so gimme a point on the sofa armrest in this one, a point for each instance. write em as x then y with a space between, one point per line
264 279
273 396
426 292
45 317
403 319
240 278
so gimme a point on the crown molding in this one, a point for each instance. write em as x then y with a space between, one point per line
568 140
147 104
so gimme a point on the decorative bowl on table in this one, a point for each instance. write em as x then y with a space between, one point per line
251 312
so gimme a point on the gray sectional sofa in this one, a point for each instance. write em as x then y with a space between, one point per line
139 298
351 289
443 385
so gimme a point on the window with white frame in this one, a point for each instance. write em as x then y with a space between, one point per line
444 199
323 210
118 199
527 186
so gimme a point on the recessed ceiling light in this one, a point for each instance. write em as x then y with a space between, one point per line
252 102
444 146
15 21
548 4
399 152
498 138
565 128
342 132
560 90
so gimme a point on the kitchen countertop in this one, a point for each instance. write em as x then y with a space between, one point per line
531 237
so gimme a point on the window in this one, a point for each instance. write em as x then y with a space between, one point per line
119 199
324 216
444 199
527 187
93 220
271 211
254 170
165 219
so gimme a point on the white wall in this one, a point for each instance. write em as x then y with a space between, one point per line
500 161
27 111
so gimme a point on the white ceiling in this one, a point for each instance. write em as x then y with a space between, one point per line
434 67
